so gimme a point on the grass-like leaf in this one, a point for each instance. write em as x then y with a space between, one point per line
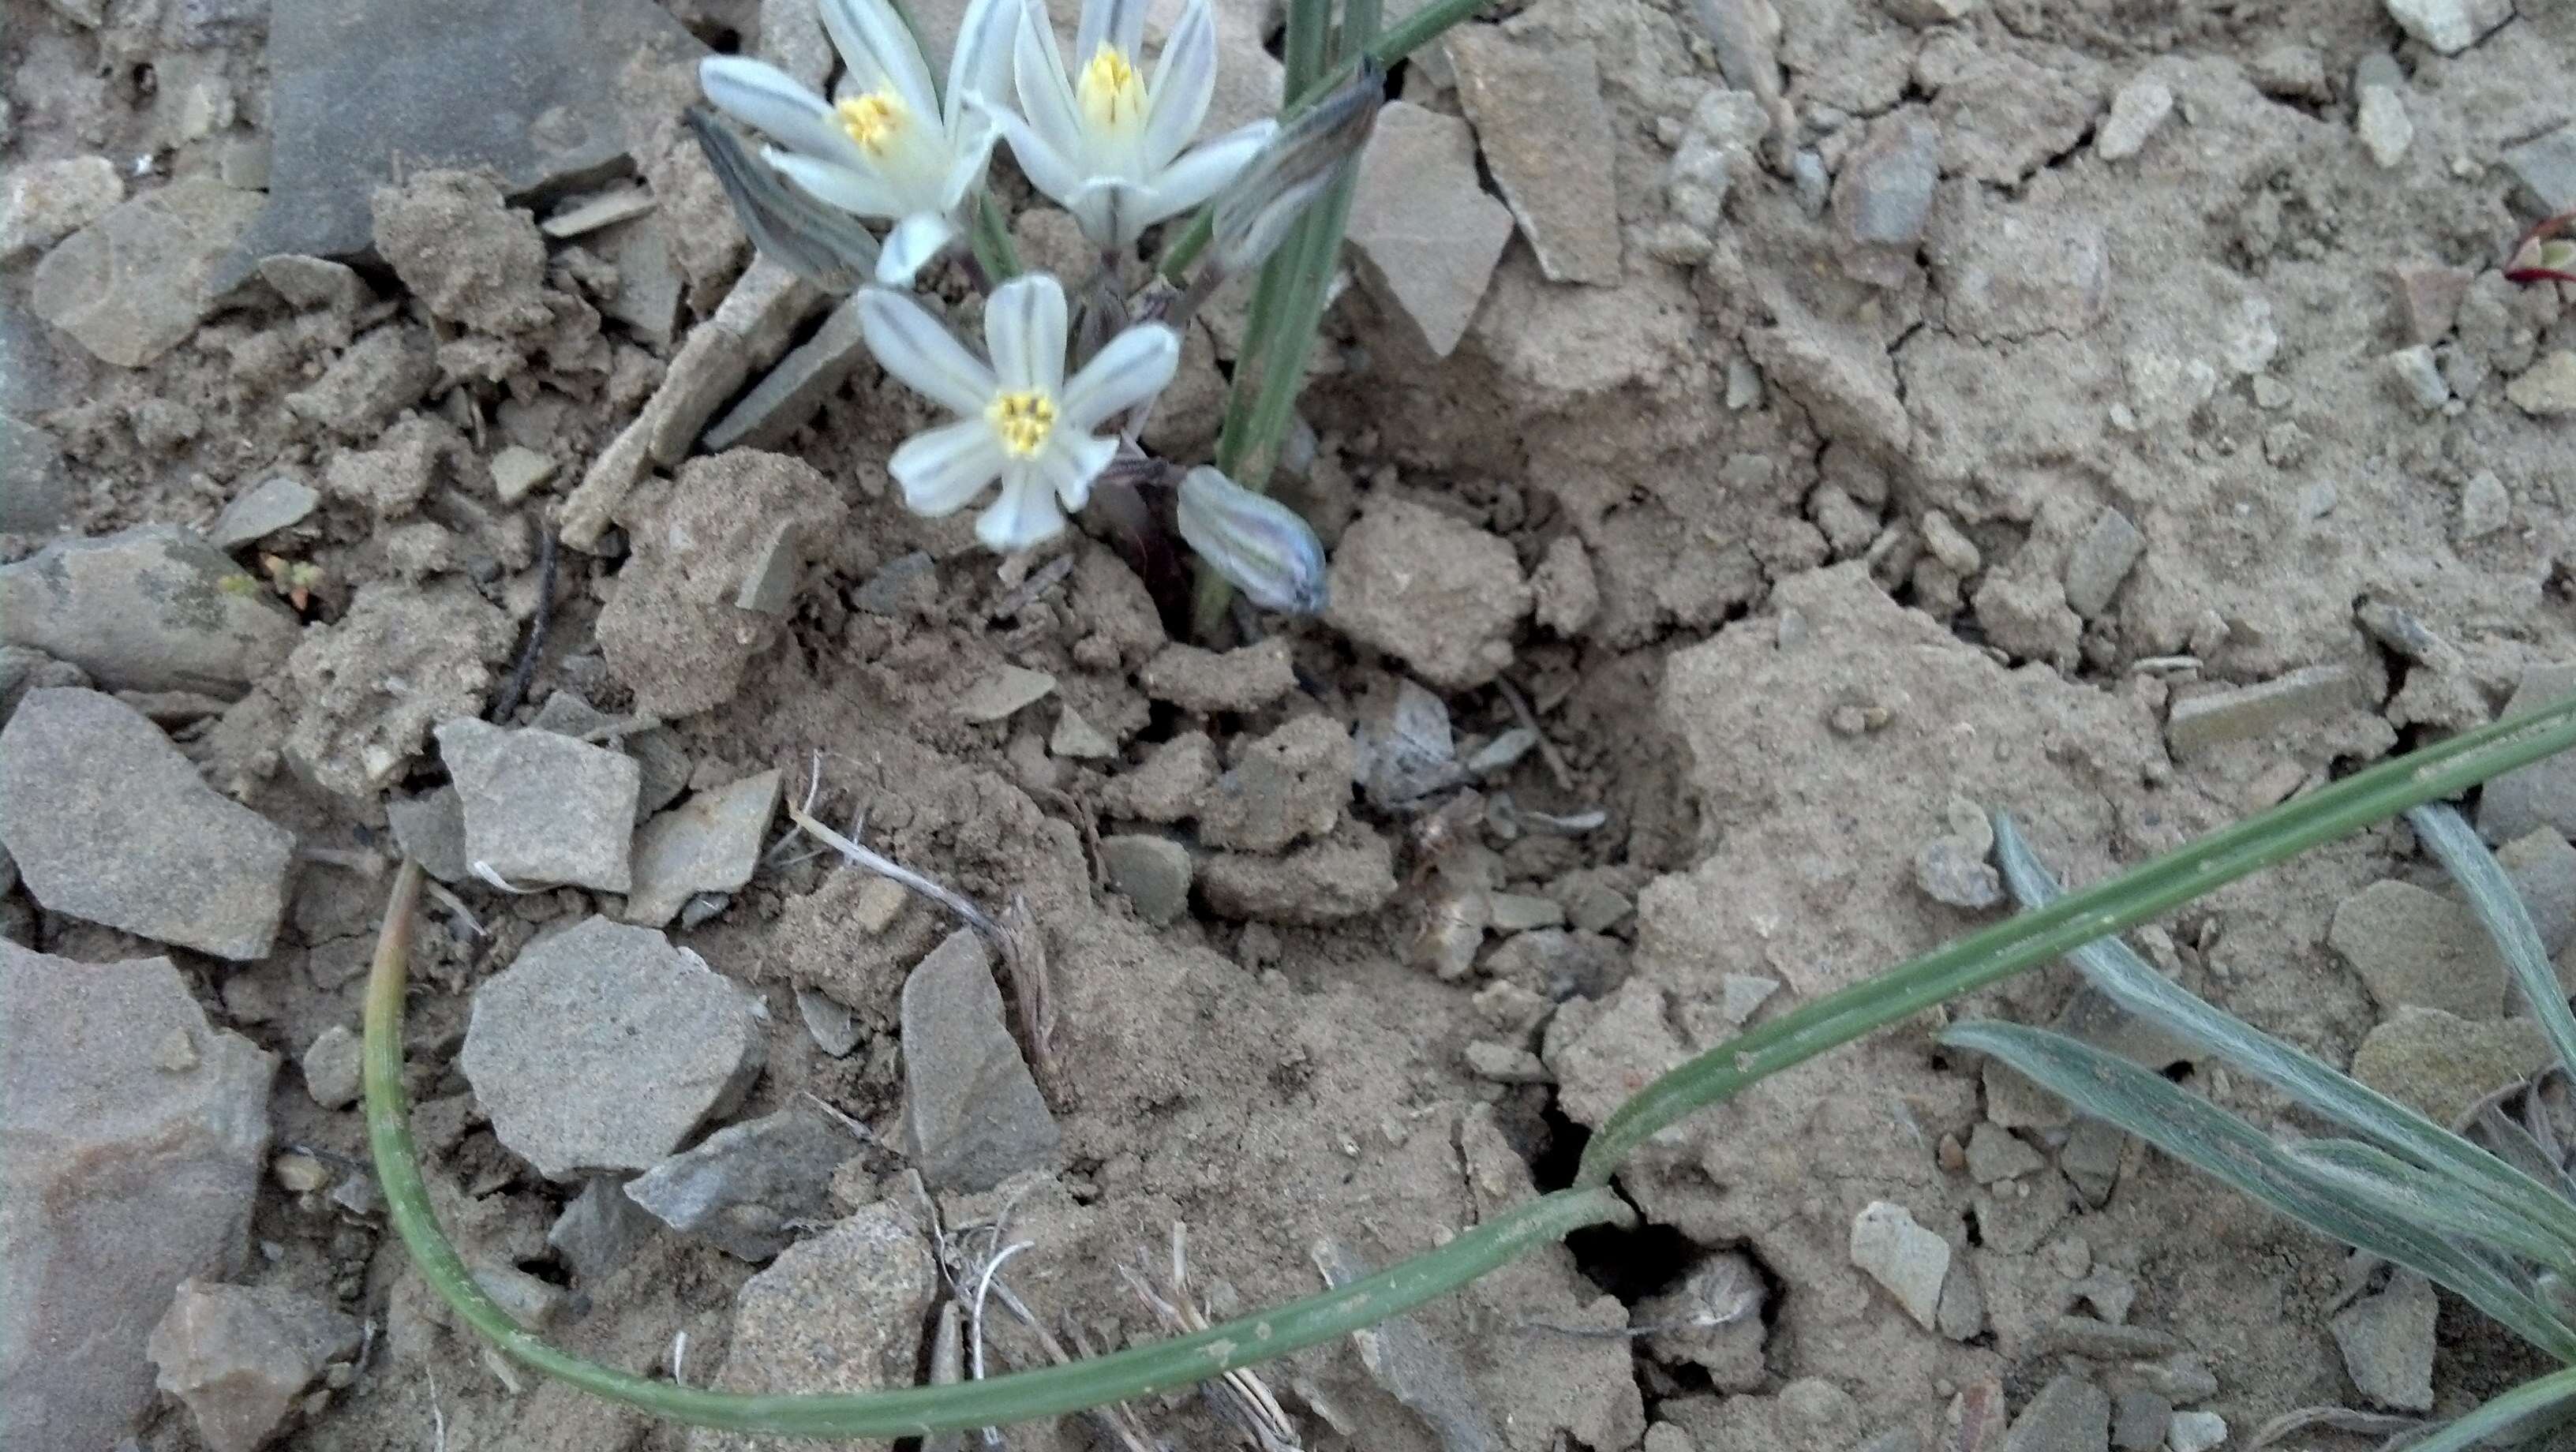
2226 1148
2501 912
2133 984
2515 1411
2440 1205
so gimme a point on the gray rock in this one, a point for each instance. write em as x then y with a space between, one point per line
2543 869
1003 692
2070 1414
124 1178
1435 592
1076 739
1962 1313
2485 506
110 823
1154 873
35 487
2415 947
1741 995
710 843
2100 561
2138 1421
2542 794
1884 195
780 403
1948 872
332 1068
430 828
23 670
1344 876
834 1028
1903 1257
47 201
1288 785
542 808
381 374
792 39
603 1047
239 1356
1422 228
649 283
1547 138
365 93
1404 749
600 1229
1996 1153
2441 1065
2547 389
2090 1159
2309 694
2387 1343
621 203
152 608
972 1113
2546 167
2449 26
518 471
2381 123
745 1189
134 284
2418 377
2137 109
263 509
2195 1432
883 593
1241 680
1416 1370
840 1312
313 282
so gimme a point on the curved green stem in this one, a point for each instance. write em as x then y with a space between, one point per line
910 1411
2030 939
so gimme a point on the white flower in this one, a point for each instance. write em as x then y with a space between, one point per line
1023 421
1106 143
889 146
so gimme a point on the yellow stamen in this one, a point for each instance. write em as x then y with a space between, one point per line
1024 420
1111 93
873 120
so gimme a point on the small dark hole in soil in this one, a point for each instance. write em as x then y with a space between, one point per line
1634 1264
725 41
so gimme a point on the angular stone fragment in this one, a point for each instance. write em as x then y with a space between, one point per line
600 1230
1290 784
332 1069
110 823
47 200
2545 165
2137 109
972 1115
1426 234
779 404
1154 873
2449 26
747 1186
2307 694
272 504
2542 794
543 808
2387 1343
2070 1414
152 608
2415 947
709 843
1908 1260
1435 592
2441 1065
239 1356
132 285
603 1047
1546 134
1350 873
124 1177
2100 561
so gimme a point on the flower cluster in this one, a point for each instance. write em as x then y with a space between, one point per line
1115 145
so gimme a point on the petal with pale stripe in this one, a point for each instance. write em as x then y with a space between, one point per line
1184 82
910 246
855 192
1024 327
870 29
917 348
1026 514
1069 464
763 97
1128 369
941 470
1204 170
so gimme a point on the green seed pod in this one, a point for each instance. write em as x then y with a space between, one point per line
1258 544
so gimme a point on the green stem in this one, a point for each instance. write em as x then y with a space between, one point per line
990 237
2032 938
1415 31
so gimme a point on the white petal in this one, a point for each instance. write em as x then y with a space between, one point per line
941 469
971 151
917 348
1119 22
764 97
1024 323
1069 465
1127 370
1206 169
1046 166
1114 213
857 192
910 246
870 30
1025 515
981 65
1184 80
1046 93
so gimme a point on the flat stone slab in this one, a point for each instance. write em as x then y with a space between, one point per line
749 1185
108 822
709 843
543 808
132 1150
603 1047
134 284
153 608
972 1113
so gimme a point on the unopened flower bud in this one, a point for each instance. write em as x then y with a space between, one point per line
1258 544
1256 210
825 246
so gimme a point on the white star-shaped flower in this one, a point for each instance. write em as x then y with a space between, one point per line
888 146
1021 420
1110 146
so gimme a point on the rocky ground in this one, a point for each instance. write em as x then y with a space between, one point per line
1743 461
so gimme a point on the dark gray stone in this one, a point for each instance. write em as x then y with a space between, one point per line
2070 1414
600 1230
152 608
35 488
2546 167
747 1187
710 843
261 510
780 403
108 822
972 1113
1884 195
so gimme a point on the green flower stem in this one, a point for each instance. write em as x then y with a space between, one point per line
911 1411
1414 32
2030 939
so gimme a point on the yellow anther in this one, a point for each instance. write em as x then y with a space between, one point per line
873 120
1024 420
1111 93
